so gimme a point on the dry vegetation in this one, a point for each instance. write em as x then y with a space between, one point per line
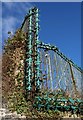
13 64
13 76
13 88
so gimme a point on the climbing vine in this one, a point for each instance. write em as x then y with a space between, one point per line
13 88
13 66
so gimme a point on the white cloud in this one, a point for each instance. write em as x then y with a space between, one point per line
10 21
8 25
0 27
19 7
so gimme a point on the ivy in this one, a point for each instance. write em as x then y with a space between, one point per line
14 92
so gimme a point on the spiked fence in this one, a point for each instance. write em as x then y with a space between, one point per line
47 70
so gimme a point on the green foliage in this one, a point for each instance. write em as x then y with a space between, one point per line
17 40
15 95
17 102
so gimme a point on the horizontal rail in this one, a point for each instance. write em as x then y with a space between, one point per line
55 49
27 16
51 47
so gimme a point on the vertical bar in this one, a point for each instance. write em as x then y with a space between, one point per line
73 80
37 53
46 69
33 56
29 58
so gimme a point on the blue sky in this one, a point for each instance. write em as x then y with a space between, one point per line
60 24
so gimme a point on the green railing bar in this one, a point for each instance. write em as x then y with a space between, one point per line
55 49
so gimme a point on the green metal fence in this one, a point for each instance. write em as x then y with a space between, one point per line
52 80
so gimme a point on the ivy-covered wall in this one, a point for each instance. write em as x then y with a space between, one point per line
13 85
13 63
